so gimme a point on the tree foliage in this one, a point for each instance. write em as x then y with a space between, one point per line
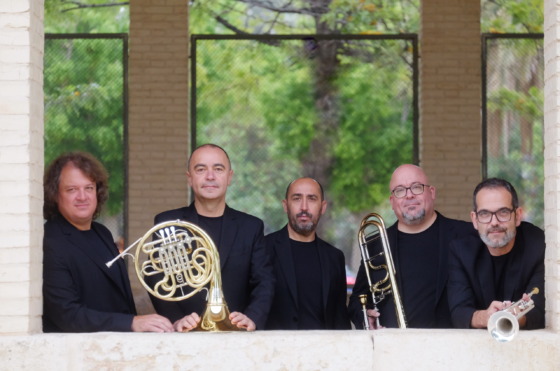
84 86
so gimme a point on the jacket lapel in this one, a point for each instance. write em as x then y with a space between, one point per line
483 270
229 235
283 251
114 273
514 269
325 272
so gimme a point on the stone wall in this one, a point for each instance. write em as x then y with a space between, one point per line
283 350
552 161
21 165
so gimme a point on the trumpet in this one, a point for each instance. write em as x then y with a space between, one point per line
387 285
504 324
175 260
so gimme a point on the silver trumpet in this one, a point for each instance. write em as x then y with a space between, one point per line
387 285
504 324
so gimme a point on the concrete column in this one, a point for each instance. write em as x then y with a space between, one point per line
21 165
552 161
158 131
450 98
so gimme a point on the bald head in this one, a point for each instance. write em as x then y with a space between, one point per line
415 212
407 174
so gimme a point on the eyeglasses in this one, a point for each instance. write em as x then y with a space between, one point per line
503 215
415 189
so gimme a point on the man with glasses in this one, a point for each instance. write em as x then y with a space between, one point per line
419 243
500 266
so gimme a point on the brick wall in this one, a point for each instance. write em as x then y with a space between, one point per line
158 131
21 165
158 114
450 98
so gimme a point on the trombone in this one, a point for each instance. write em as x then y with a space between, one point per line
388 284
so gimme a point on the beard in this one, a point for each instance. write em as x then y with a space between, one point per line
412 219
303 228
496 244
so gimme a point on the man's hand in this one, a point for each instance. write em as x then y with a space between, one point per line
151 323
242 321
373 316
480 317
187 323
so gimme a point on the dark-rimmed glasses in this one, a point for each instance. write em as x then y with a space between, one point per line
503 215
415 189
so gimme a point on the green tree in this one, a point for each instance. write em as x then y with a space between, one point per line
84 86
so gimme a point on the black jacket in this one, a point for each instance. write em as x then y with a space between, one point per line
284 312
80 293
471 280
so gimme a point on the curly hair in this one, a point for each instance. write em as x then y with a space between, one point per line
89 165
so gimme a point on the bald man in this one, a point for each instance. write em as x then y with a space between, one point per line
310 292
419 242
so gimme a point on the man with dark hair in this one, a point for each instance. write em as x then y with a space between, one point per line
247 278
501 265
419 243
80 293
310 291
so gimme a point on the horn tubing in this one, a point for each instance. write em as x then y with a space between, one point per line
122 254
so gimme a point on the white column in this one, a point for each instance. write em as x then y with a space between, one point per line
21 165
552 160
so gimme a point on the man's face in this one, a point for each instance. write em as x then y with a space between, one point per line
304 206
411 209
209 173
77 197
495 234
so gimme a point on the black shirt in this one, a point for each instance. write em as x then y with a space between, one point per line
309 287
418 256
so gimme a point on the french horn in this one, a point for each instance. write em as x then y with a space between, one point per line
175 260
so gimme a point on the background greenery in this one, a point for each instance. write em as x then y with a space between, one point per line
340 111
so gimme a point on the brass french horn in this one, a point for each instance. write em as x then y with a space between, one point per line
179 260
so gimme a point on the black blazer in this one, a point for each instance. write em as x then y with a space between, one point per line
80 293
284 312
471 279
449 229
247 278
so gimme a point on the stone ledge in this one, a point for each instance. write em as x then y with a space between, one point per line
387 349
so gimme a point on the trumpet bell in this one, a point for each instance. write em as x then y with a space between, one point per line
503 326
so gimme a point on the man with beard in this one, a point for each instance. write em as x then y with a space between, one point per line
419 243
310 292
489 272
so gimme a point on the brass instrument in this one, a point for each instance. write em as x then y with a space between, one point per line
388 284
504 324
182 260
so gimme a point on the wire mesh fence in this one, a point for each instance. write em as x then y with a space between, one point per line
514 117
341 110
85 108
